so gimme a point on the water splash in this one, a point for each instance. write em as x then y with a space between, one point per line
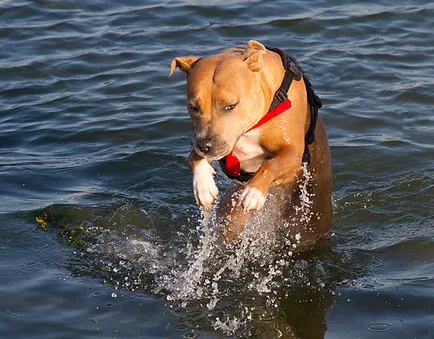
185 283
257 265
235 282
306 197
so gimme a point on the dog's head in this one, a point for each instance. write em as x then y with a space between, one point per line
224 96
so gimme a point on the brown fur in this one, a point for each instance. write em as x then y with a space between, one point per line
248 76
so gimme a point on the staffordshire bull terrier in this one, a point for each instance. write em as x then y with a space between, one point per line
254 111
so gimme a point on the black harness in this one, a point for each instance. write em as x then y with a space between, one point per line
292 72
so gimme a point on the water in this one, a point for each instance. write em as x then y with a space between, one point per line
94 139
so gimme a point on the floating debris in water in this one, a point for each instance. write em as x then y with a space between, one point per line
42 220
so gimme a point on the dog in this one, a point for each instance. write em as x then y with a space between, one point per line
254 111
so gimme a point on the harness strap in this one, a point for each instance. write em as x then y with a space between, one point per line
292 72
279 109
242 176
315 104
230 164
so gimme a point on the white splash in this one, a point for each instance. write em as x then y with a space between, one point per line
207 271
306 198
257 261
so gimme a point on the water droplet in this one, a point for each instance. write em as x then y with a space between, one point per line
379 327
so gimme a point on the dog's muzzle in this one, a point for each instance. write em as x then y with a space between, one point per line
211 148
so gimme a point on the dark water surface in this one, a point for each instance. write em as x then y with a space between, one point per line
93 143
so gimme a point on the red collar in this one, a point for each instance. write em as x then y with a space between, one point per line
233 166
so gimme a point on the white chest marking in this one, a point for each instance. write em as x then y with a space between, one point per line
249 152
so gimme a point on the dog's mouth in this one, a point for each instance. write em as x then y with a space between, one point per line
215 152
211 156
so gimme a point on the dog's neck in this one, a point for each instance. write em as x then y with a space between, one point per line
270 79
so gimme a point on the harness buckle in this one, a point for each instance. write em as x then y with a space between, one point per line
294 69
281 95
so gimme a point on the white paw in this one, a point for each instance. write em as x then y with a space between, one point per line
252 199
204 188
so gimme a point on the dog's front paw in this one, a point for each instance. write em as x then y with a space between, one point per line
252 199
204 187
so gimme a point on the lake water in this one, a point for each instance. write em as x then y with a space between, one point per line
99 233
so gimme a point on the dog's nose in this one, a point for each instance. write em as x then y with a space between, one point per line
204 145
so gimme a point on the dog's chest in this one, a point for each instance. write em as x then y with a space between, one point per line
250 153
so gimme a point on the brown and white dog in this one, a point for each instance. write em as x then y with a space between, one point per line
228 98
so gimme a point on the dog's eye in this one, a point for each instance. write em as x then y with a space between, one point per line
230 107
193 108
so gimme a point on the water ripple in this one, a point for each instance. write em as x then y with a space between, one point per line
88 116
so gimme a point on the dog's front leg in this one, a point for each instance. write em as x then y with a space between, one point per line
204 187
282 168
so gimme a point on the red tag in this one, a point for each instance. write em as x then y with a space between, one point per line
233 165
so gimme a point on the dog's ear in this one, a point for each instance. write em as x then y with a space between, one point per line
253 56
184 63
